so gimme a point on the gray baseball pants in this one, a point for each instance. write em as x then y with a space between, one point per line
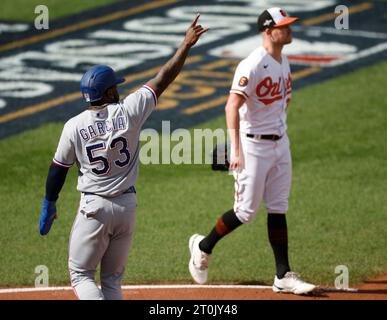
101 234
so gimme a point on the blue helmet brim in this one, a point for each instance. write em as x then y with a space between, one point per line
121 80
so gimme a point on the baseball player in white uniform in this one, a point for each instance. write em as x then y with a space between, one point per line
260 155
103 141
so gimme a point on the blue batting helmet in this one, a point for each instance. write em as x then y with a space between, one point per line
96 81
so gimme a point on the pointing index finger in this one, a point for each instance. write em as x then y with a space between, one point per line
195 20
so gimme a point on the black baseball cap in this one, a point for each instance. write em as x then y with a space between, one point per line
274 17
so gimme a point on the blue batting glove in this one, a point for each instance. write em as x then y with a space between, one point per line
47 216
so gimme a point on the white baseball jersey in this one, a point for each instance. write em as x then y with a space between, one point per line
266 84
105 144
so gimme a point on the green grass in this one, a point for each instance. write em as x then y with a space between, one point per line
338 204
24 10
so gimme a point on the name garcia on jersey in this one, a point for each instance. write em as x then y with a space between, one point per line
100 128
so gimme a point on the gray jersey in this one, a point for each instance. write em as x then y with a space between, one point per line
105 144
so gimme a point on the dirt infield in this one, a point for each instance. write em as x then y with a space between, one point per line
370 290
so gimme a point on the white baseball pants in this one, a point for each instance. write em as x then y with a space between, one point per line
265 174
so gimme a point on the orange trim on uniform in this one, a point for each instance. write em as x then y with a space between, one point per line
286 21
237 193
240 92
221 228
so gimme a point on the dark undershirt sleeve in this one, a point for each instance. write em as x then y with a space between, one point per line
55 180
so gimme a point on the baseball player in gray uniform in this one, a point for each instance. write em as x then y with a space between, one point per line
103 141
260 154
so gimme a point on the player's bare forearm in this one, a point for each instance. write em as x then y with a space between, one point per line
172 68
234 102
232 118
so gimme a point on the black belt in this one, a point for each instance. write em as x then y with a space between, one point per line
272 137
131 189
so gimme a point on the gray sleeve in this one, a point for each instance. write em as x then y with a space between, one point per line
140 104
65 152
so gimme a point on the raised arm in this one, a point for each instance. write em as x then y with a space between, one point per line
172 68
